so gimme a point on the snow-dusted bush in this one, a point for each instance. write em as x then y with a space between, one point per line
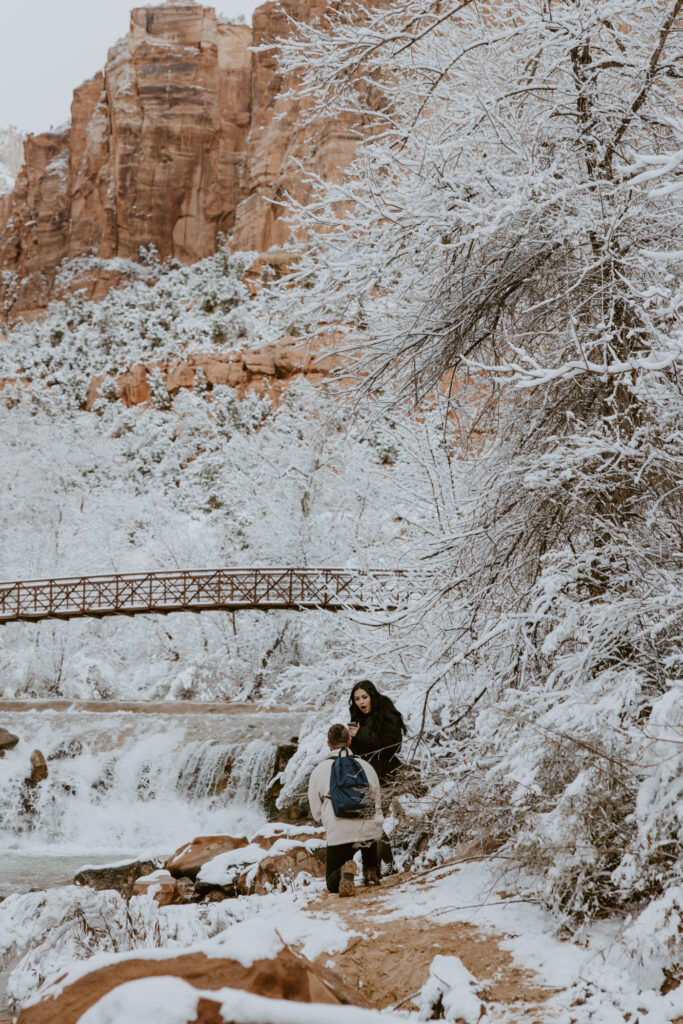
48 930
165 311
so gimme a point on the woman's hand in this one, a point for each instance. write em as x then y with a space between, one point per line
353 728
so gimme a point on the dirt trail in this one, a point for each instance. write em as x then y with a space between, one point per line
390 961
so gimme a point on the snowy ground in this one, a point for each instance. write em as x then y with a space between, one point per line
468 942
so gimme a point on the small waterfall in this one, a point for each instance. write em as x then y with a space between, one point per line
252 770
204 769
149 782
240 771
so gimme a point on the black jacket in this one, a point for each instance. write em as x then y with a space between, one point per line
379 737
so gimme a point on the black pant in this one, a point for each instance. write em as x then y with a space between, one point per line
337 856
384 852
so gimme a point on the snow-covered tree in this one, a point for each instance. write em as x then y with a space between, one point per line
499 239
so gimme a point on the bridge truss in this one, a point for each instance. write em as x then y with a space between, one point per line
197 590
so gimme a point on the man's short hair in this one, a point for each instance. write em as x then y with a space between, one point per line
338 736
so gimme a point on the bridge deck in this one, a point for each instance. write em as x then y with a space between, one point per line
200 590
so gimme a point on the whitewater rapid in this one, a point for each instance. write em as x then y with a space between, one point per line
121 782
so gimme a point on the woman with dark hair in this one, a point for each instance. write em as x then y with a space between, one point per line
376 728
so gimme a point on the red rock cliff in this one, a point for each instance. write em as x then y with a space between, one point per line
174 144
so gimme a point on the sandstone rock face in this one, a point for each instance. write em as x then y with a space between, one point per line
177 142
288 975
257 369
152 155
277 144
34 225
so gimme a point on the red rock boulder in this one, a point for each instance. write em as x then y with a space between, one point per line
188 859
280 870
287 975
158 998
161 885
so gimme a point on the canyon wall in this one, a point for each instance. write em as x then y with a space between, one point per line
177 143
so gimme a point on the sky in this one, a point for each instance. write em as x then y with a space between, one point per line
48 47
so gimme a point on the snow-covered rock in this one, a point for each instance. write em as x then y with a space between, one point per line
7 740
453 988
160 884
261 964
120 876
189 859
171 1001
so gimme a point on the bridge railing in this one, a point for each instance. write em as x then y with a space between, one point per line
207 589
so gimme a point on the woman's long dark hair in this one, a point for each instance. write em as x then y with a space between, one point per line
379 704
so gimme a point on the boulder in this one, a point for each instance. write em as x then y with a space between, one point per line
121 876
159 999
218 879
286 975
280 870
188 859
7 741
185 891
160 884
38 769
239 872
267 840
283 755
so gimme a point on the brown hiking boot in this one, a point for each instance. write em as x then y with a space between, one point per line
347 885
370 877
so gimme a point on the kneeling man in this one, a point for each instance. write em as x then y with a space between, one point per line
345 835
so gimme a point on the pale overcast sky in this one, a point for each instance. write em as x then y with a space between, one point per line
48 47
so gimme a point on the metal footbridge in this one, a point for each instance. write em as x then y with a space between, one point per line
198 590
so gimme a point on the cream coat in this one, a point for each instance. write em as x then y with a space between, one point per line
343 830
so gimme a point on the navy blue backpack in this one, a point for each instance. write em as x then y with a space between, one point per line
349 789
